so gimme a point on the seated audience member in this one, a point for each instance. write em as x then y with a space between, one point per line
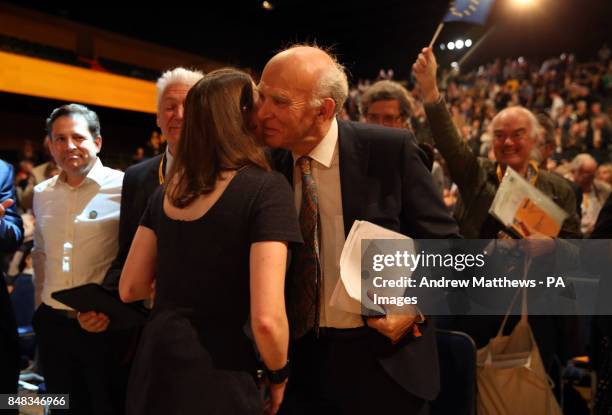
24 186
604 173
40 170
598 139
594 192
546 146
214 239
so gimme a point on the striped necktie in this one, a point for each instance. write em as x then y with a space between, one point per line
304 304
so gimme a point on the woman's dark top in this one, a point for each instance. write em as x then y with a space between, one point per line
194 355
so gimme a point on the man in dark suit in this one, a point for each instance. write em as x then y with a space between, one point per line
141 180
342 172
11 235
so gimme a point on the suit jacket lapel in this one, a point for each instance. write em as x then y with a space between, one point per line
354 154
282 162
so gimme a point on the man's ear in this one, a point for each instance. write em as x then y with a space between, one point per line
327 110
98 143
51 148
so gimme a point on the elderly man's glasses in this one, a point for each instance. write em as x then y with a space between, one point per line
515 136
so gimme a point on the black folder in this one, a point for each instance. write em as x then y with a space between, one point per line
93 297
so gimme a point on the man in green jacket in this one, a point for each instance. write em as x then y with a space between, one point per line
515 131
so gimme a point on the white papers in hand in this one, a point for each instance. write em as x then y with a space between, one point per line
524 208
347 294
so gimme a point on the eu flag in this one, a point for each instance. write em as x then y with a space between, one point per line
472 11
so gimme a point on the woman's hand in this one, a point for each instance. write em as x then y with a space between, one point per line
273 403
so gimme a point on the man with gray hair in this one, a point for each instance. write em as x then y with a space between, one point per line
142 179
344 171
139 182
515 133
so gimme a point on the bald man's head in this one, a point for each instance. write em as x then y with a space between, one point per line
302 89
515 131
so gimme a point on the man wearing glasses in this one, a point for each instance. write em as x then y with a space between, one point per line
387 103
515 133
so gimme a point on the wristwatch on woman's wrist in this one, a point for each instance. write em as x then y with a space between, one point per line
279 375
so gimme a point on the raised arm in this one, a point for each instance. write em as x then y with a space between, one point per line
462 163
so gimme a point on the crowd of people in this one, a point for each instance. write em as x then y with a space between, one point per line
570 99
202 229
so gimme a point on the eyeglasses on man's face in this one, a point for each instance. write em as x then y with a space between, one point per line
383 119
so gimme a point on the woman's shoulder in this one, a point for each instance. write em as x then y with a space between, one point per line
256 174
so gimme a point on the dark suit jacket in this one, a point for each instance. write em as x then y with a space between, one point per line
139 182
11 228
11 235
383 180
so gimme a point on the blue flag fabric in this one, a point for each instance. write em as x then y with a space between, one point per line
472 11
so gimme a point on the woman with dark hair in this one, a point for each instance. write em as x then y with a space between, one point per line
214 240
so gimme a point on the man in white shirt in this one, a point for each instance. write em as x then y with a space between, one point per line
75 241
341 172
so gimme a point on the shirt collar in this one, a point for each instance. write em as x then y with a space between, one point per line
323 153
96 174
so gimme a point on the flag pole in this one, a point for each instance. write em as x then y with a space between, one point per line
435 36
480 42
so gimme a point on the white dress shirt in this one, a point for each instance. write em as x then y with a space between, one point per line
76 233
326 174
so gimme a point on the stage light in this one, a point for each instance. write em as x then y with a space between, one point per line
468 43
450 45
459 44
522 4
442 46
454 65
266 5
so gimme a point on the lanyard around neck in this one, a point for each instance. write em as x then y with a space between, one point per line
533 171
161 171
